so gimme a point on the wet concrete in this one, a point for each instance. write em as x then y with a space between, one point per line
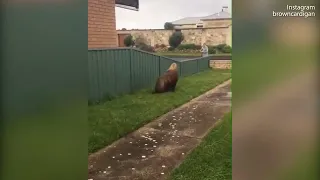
154 150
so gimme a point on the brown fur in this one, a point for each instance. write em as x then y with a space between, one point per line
168 81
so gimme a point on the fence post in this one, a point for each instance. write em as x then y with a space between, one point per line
130 69
198 65
180 67
159 64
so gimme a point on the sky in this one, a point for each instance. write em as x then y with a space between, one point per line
153 14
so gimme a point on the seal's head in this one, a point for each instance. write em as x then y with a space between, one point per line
173 66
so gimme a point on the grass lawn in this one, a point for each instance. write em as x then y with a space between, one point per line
264 65
304 167
178 54
112 120
212 159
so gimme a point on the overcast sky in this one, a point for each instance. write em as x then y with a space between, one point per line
154 13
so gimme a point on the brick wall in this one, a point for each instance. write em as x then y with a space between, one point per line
101 24
212 36
221 64
217 23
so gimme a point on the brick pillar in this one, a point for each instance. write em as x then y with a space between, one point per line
102 24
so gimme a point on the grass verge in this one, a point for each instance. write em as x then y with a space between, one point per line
212 159
113 119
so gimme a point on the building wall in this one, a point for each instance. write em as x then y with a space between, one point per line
102 24
229 37
208 24
211 36
187 26
216 23
221 64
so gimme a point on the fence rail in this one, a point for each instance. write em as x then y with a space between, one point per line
118 71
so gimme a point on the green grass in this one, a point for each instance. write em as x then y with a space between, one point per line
112 120
212 159
178 54
263 66
304 167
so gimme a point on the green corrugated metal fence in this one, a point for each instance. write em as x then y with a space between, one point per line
114 72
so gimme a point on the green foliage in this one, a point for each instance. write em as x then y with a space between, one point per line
128 41
227 49
145 47
220 47
168 26
175 39
193 48
140 44
171 49
189 47
212 50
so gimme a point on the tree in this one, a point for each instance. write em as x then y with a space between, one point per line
175 39
123 29
168 26
128 41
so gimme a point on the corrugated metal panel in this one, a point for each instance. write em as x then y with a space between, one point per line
93 83
144 69
203 63
108 73
113 72
189 67
122 72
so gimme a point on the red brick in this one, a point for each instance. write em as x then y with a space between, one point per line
101 24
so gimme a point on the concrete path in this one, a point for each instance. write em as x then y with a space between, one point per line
154 150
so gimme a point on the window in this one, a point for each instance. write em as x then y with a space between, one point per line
199 26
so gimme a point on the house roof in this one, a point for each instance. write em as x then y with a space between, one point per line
128 4
219 15
187 20
198 20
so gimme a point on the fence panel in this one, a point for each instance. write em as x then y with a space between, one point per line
144 69
122 69
108 73
189 67
93 78
165 64
113 72
203 63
